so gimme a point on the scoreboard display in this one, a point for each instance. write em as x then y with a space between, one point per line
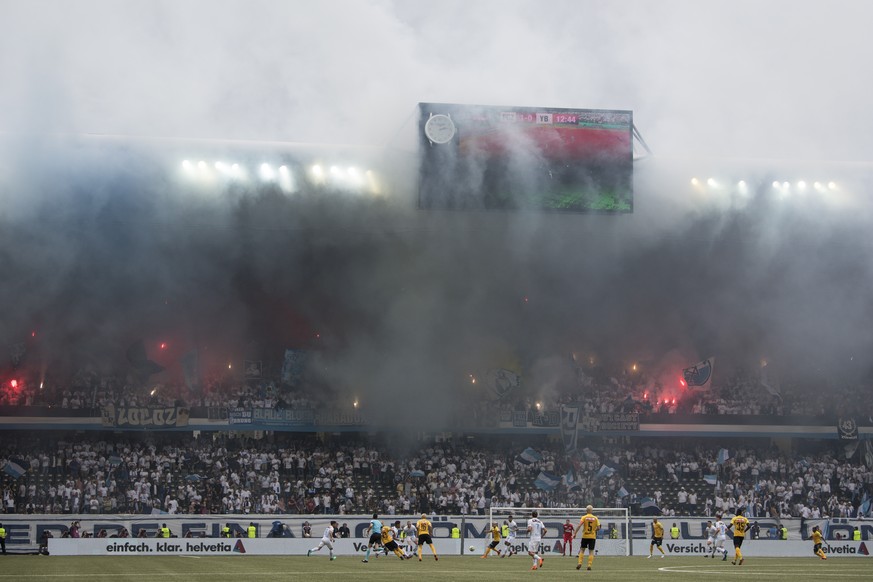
516 158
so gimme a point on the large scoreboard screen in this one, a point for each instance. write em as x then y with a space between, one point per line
487 157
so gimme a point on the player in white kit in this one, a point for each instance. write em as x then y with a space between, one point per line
720 537
326 540
509 540
411 538
711 531
536 529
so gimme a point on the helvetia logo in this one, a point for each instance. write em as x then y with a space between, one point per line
862 549
239 547
844 549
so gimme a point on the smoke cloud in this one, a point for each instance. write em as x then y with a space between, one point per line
102 244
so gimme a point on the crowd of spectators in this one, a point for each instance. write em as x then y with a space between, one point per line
304 475
599 391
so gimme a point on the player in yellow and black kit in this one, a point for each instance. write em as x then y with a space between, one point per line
425 531
816 543
740 524
389 544
657 537
495 539
589 524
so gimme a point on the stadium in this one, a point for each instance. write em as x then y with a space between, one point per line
441 334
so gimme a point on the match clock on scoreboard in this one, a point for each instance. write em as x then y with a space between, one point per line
439 128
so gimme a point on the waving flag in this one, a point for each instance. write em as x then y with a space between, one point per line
622 492
710 479
590 455
15 468
191 369
546 481
722 457
502 381
529 456
139 360
570 482
700 374
649 507
604 472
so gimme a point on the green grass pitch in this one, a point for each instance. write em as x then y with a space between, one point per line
447 569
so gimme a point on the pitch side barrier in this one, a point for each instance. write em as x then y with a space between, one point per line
25 531
445 547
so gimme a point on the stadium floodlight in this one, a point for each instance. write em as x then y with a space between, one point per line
818 186
266 172
695 182
187 165
801 185
317 173
201 164
355 177
373 183
286 180
711 183
786 185
775 184
832 186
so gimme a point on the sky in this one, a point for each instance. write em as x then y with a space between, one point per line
99 253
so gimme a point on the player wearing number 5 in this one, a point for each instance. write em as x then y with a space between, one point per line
740 524
589 524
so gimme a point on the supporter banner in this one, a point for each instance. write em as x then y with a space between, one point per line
569 422
253 368
144 416
239 416
293 366
847 429
283 416
337 418
547 418
700 374
269 418
609 421
502 381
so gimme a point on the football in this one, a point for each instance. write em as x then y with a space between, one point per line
472 548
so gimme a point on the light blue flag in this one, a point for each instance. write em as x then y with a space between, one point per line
604 472
14 468
546 481
529 456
